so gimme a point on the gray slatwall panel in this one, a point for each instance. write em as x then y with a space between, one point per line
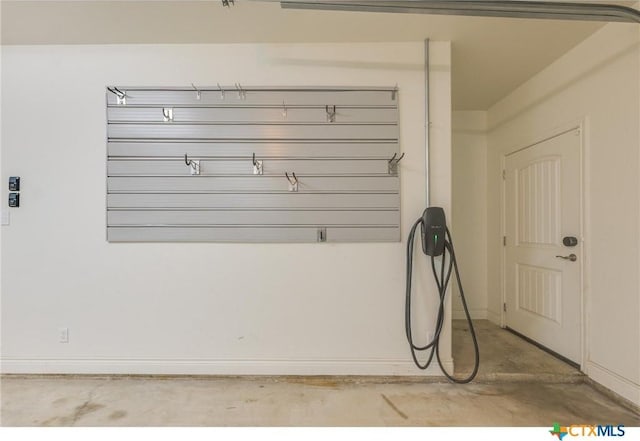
251 217
255 235
273 201
234 114
344 185
246 149
194 184
363 234
177 167
167 98
252 131
210 234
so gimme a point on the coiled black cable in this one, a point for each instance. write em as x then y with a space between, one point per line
442 283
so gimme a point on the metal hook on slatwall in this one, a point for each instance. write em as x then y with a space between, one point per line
117 92
393 163
194 166
393 158
221 91
198 92
121 97
167 114
295 178
257 166
293 184
331 113
284 110
394 93
242 94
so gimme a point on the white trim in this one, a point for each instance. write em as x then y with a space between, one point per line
503 232
614 382
217 367
585 230
546 135
476 314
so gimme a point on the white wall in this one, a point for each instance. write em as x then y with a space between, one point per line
198 308
469 160
598 84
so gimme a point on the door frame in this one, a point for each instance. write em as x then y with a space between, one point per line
582 126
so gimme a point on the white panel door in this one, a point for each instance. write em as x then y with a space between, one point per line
543 288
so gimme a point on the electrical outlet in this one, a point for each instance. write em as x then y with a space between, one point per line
63 335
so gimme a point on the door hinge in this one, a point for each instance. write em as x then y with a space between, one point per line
504 241
504 307
504 174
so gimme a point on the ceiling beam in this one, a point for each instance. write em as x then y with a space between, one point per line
484 8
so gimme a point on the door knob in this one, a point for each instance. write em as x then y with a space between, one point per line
571 257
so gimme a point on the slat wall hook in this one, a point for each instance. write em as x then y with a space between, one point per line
393 158
121 97
198 92
194 166
394 93
293 184
393 163
331 113
257 166
284 110
221 92
242 94
167 114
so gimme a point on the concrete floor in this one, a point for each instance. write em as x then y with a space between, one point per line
506 357
504 395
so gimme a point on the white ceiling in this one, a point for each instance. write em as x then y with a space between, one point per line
491 56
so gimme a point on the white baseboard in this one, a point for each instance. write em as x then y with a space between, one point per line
476 314
219 367
614 382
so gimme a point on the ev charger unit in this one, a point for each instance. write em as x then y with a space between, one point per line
436 243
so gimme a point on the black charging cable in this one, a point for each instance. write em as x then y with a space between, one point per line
447 265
